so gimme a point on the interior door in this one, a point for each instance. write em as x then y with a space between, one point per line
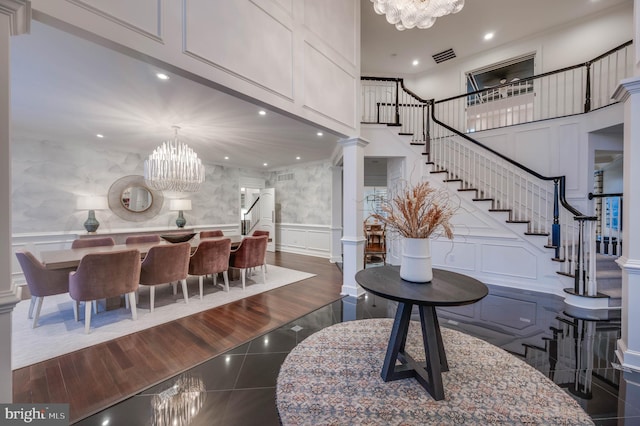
395 174
268 215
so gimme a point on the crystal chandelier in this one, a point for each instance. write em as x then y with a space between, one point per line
406 14
174 167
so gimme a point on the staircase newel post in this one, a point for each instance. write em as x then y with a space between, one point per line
587 93
378 112
427 129
397 101
555 227
578 271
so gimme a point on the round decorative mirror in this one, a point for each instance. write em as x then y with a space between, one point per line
131 199
136 198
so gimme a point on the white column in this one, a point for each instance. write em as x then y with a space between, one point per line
628 350
336 214
15 18
353 232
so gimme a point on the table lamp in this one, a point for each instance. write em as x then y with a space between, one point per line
92 203
180 206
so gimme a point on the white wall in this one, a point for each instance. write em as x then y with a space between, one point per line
302 57
566 46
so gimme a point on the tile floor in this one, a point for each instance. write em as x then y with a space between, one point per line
576 353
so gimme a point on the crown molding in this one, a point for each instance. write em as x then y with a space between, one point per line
19 13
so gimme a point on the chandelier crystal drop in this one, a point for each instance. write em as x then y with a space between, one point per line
406 14
175 167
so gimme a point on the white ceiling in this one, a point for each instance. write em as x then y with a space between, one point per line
67 89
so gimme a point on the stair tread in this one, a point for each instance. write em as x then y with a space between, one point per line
405 134
467 189
542 234
417 143
452 180
518 221
439 171
482 199
499 210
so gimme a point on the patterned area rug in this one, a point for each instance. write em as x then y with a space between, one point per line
333 378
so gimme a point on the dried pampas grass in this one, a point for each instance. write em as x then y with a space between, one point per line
419 211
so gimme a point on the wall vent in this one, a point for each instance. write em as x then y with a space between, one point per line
444 56
285 176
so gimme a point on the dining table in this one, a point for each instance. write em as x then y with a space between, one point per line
70 258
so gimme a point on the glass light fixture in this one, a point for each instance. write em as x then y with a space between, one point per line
174 167
406 14
178 405
92 203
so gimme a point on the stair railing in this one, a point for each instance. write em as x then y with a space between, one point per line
249 224
529 197
609 226
388 101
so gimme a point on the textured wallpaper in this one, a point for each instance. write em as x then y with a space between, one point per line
303 194
47 179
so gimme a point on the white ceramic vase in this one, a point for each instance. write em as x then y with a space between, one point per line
415 265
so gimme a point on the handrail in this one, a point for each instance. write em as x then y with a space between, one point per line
613 194
560 179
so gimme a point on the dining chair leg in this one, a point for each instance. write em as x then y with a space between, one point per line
184 291
94 303
87 316
76 306
215 279
37 314
264 273
126 301
132 302
152 296
175 288
31 305
225 275
243 273
200 280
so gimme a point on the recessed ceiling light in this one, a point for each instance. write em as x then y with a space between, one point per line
264 164
488 36
99 135
319 133
415 62
298 157
262 112
162 76
226 158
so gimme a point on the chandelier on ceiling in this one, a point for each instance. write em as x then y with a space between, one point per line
406 14
174 167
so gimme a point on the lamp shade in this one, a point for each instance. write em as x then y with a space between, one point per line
92 203
180 204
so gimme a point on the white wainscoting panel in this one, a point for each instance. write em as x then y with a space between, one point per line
528 147
453 254
141 16
311 240
252 40
324 83
335 28
509 260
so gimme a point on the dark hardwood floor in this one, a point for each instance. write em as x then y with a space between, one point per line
94 378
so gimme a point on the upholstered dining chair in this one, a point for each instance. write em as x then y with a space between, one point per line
166 264
211 257
105 275
210 234
258 233
42 282
250 254
92 242
139 239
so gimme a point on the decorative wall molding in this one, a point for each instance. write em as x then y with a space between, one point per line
156 35
310 240
19 12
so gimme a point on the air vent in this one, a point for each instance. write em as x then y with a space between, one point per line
444 56
285 176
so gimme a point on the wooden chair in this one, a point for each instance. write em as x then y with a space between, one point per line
166 264
210 234
104 275
92 242
42 282
376 247
139 239
250 254
211 257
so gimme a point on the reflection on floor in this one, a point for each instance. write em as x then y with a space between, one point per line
574 349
